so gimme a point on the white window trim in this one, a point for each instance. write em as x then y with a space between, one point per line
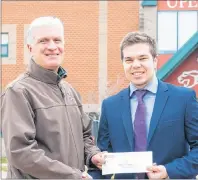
26 56
4 43
172 52
11 30
165 51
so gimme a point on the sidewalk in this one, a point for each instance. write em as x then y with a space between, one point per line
3 166
3 172
3 175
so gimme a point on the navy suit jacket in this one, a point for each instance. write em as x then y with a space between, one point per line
173 132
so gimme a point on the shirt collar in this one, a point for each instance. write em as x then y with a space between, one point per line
151 86
45 75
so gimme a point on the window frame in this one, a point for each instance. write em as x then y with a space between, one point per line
4 55
177 38
5 45
178 26
167 51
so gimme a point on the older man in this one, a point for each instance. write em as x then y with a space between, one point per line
46 132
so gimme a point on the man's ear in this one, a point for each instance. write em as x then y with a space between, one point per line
29 48
155 63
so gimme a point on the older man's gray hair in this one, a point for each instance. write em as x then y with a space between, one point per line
42 21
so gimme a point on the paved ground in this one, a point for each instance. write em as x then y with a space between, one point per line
3 173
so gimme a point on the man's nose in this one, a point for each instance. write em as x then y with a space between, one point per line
136 63
52 45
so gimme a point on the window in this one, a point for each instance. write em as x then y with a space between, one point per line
167 31
4 44
174 29
187 26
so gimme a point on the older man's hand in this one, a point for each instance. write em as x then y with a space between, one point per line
98 159
86 176
157 172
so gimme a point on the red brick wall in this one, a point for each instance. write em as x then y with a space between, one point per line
81 33
123 17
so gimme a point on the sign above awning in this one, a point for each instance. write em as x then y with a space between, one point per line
178 5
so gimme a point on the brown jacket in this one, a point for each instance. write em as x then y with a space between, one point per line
46 132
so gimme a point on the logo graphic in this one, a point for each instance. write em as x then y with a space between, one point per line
189 78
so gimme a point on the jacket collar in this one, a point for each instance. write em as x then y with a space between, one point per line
45 75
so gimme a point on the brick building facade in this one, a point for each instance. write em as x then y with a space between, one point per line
93 31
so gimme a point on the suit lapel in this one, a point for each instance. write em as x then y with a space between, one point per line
126 116
160 101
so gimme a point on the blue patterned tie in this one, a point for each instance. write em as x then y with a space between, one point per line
140 132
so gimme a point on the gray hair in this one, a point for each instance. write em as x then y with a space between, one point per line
42 21
137 38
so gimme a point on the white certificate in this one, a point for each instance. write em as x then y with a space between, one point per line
128 162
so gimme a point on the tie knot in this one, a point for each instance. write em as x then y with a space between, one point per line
140 94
